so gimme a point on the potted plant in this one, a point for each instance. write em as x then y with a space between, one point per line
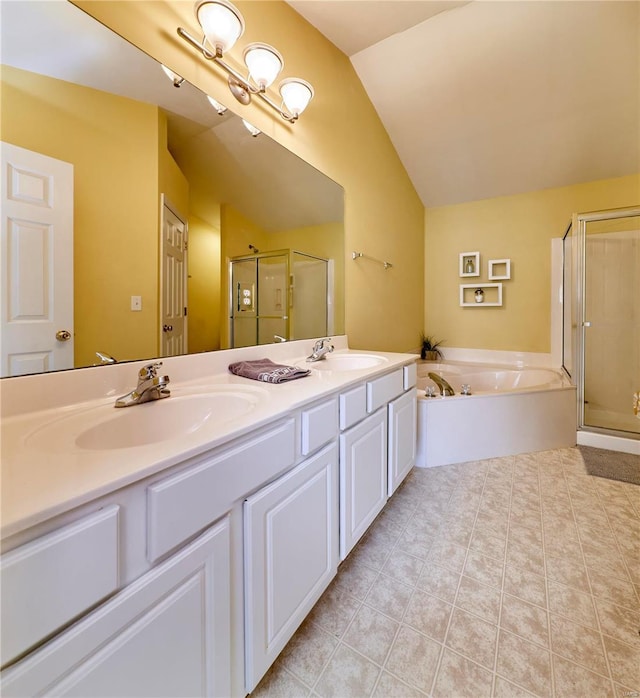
430 348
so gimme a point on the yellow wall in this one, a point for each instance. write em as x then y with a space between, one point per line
340 134
516 227
204 285
115 209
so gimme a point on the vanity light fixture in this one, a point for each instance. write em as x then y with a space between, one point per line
220 108
222 25
251 128
174 77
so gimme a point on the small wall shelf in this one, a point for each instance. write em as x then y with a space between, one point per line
499 269
469 264
492 295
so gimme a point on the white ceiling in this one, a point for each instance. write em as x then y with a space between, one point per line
490 98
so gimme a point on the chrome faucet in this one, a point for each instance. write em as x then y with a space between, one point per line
320 349
106 358
150 386
445 388
279 338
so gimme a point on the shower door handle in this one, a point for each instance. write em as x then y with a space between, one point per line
586 324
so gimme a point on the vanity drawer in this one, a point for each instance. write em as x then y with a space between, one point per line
51 580
319 426
183 504
410 375
382 390
353 406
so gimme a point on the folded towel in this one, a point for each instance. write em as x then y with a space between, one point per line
268 372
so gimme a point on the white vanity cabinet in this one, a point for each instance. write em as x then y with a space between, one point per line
166 634
290 553
376 452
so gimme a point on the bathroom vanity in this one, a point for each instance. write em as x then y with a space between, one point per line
181 564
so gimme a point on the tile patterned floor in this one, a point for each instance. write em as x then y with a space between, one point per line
515 576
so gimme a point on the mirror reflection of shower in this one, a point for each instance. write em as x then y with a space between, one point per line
284 294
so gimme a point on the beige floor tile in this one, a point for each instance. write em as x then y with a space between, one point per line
414 658
526 586
572 604
486 544
619 591
525 664
334 610
347 674
578 644
371 633
624 661
417 539
620 623
527 558
567 571
460 677
524 619
428 614
472 637
480 599
493 524
447 555
574 681
484 569
307 652
403 567
389 596
279 683
390 686
355 578
525 535
505 689
439 581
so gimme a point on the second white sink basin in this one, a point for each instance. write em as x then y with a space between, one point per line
182 414
347 362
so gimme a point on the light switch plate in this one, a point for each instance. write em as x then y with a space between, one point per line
136 302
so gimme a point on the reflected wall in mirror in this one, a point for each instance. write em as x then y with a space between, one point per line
165 192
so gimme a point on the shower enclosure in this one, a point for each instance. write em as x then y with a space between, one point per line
601 324
277 296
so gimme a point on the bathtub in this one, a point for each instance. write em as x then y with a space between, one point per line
510 410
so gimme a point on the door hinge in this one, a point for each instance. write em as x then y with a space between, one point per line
186 245
185 311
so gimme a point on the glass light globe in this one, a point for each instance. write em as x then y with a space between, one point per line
264 63
296 94
221 23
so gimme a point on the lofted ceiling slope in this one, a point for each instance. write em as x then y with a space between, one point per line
492 98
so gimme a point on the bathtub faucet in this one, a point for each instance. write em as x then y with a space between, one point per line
150 386
445 388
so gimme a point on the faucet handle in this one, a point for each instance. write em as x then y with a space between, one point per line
150 370
320 344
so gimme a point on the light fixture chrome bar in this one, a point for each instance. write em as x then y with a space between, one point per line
356 255
241 89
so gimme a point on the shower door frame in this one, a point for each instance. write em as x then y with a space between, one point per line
579 226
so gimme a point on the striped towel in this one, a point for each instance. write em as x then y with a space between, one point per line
266 371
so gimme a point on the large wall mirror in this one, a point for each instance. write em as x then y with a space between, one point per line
182 232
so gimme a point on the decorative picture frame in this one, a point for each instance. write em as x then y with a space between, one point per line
499 269
469 264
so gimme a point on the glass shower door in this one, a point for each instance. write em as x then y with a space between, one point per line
273 298
611 326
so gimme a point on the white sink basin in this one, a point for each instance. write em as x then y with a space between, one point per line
176 417
346 362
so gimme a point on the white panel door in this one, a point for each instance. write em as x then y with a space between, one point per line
36 273
173 320
291 555
402 438
363 477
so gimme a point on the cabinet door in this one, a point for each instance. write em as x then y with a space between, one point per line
402 438
166 634
291 555
363 478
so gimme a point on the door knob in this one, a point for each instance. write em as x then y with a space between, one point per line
63 335
167 328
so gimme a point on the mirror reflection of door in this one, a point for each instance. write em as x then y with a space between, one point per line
309 296
36 293
173 310
243 320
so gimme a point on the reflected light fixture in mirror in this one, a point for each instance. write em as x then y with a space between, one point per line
222 25
251 128
220 108
176 79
